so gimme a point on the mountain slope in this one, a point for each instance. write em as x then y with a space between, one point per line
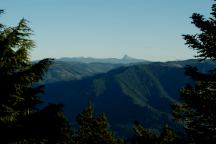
66 71
126 93
141 92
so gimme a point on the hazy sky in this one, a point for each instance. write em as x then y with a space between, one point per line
147 29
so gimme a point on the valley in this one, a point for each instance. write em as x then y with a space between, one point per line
128 92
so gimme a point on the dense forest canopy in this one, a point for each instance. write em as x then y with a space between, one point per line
22 121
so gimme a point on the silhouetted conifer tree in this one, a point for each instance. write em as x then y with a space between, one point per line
19 94
146 136
168 136
197 111
93 130
143 135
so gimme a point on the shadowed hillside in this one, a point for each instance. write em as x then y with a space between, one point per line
66 71
142 92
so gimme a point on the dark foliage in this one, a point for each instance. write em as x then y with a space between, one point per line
196 112
20 120
93 130
147 136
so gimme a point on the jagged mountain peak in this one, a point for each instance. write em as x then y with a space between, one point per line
124 60
127 57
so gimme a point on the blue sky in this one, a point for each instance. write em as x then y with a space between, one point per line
147 29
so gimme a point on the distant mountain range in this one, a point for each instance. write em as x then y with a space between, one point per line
142 91
69 70
125 60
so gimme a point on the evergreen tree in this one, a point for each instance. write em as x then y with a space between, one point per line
197 110
49 126
168 136
146 136
19 95
143 135
93 130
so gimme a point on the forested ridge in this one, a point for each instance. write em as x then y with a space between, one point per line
25 118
